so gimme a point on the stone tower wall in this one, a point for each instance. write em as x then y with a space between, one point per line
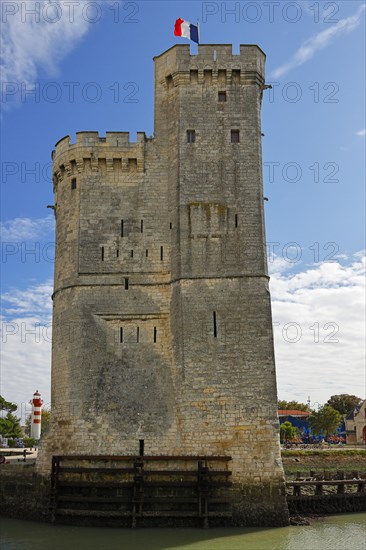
162 316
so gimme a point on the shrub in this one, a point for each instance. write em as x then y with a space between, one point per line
29 442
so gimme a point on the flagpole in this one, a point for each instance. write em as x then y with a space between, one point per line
199 32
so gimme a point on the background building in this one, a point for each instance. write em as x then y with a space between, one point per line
356 425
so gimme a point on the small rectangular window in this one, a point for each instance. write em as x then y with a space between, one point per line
73 183
221 75
235 136
222 96
235 76
126 284
132 164
131 253
214 325
155 332
169 81
102 250
117 253
122 227
161 253
142 226
194 75
236 220
121 335
191 136
147 253
138 335
207 74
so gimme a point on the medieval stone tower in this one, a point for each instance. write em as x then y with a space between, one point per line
162 316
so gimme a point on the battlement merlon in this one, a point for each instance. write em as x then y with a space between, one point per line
92 140
178 58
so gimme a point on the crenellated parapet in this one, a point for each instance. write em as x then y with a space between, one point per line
92 154
214 63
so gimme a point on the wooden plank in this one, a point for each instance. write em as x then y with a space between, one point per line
106 484
143 458
206 485
93 513
169 484
168 513
87 470
149 499
333 496
81 498
184 473
324 482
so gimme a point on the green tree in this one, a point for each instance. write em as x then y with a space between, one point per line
344 403
45 420
10 426
294 405
6 405
324 421
287 431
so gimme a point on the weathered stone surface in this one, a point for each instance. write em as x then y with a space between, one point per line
24 493
162 325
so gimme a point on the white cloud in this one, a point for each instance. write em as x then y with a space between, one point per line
315 43
35 299
26 359
24 229
361 133
277 265
320 330
26 345
30 43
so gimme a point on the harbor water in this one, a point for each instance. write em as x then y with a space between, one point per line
342 532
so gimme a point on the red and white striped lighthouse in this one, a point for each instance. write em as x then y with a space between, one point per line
36 415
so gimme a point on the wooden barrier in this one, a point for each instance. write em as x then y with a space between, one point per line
131 489
319 494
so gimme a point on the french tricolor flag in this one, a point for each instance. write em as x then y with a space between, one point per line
186 30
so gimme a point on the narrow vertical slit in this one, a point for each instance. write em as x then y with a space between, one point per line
147 253
122 228
142 226
117 253
155 331
236 220
121 335
131 253
141 447
214 325
171 225
126 284
138 335
161 253
102 253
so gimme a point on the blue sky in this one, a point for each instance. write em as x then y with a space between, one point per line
91 68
